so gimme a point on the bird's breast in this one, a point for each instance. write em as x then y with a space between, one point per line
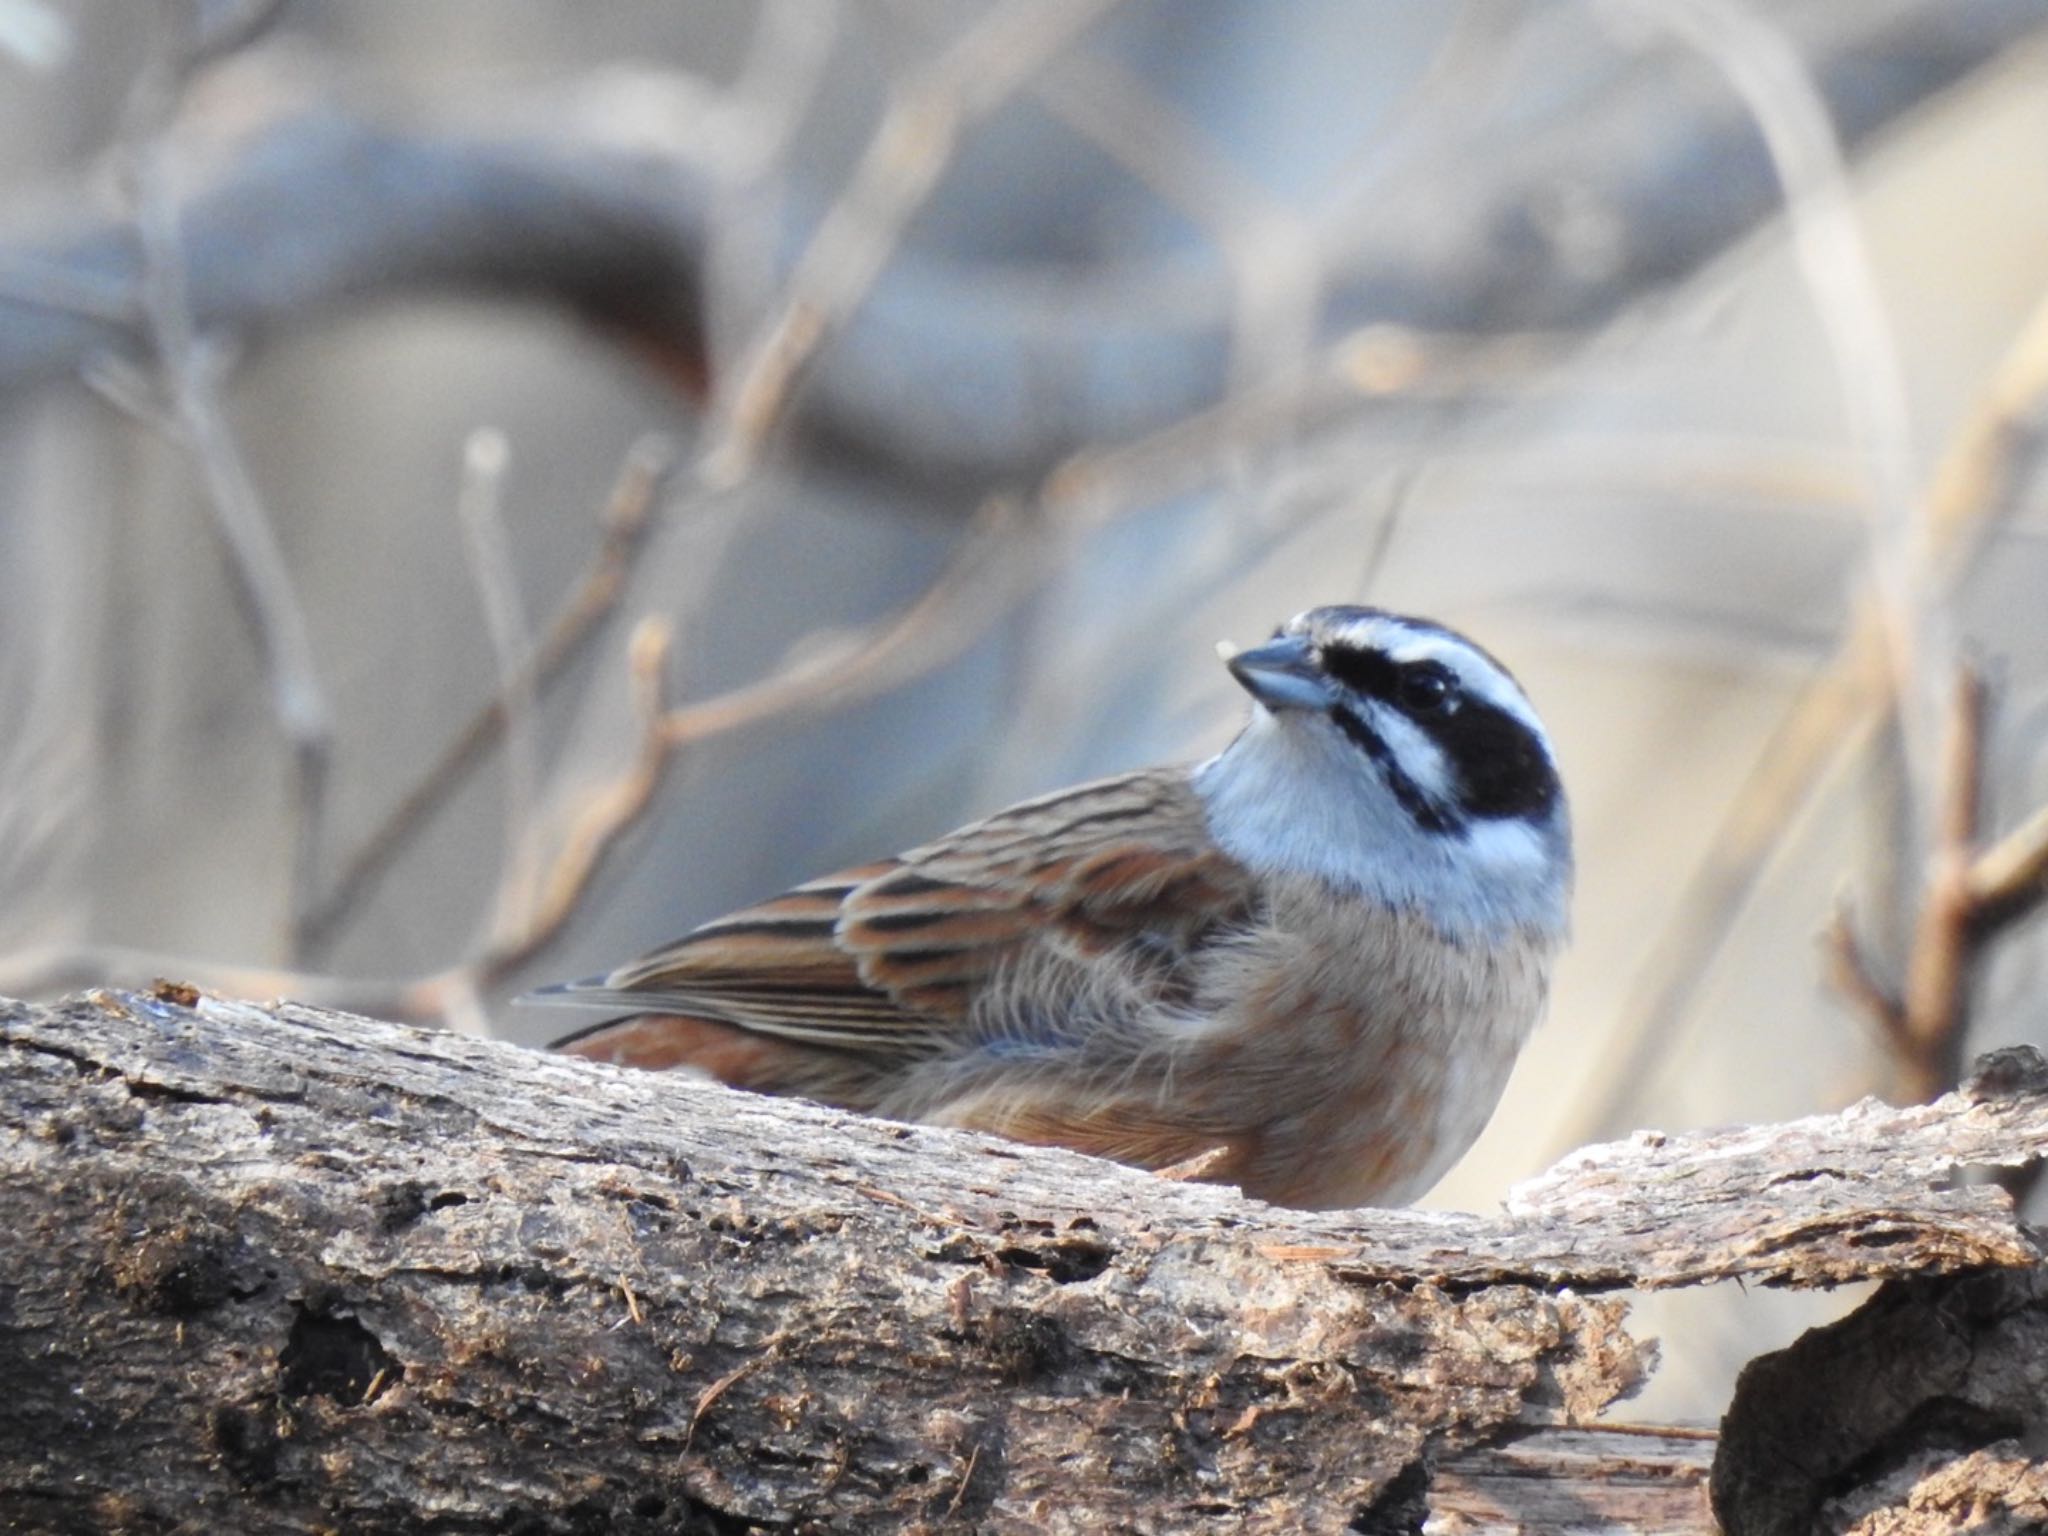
1362 1050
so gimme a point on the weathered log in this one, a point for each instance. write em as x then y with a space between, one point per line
283 1270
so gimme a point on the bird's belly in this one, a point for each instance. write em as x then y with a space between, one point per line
1363 1084
1374 1146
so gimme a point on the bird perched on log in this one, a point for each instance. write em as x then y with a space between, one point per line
1305 966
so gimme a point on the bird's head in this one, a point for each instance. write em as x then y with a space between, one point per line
1395 757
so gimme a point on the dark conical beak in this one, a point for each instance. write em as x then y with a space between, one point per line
1282 674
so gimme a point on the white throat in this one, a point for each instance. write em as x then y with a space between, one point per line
1292 797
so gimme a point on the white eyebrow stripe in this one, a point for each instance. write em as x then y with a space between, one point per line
1401 643
1474 672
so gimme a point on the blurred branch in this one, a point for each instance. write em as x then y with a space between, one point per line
926 117
1766 71
1405 376
593 827
626 519
1834 719
590 829
2010 879
1458 237
317 209
1270 249
1970 896
479 509
994 565
1938 971
192 372
974 589
1923 1021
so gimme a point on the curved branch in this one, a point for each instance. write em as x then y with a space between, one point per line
321 209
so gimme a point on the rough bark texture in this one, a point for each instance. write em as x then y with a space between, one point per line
1904 1417
286 1271
1999 1491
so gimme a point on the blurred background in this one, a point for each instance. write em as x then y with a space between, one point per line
487 486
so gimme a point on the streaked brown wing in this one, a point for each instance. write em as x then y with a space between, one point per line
891 956
775 968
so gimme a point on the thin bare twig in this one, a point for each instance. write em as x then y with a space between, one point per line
993 567
973 589
480 511
901 166
1896 636
1379 364
966 1481
1993 451
1762 65
627 517
1968 897
595 825
1271 251
712 1394
600 820
263 580
2010 879
787 54
1852 974
1938 972
1459 81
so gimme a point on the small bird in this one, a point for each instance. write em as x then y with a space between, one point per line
1304 967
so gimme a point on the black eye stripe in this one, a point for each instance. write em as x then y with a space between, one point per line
1368 672
1419 687
1496 764
1499 766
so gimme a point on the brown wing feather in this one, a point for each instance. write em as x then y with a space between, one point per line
1126 1128
891 956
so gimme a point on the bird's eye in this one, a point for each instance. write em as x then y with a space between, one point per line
1427 688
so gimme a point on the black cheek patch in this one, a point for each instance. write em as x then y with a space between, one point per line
1501 769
